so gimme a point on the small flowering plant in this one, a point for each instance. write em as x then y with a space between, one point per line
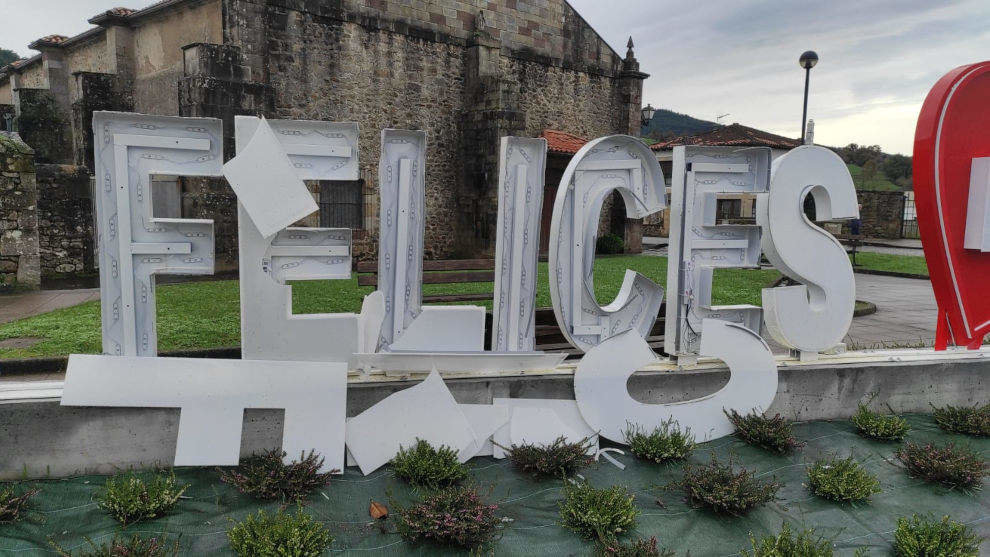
950 466
770 433
13 503
129 498
843 480
718 487
453 517
970 420
559 459
265 476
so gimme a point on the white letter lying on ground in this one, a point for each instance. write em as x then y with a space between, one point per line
212 395
485 420
539 421
134 245
604 401
426 411
815 315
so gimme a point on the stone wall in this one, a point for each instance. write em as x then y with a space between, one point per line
465 82
65 220
882 213
19 261
43 126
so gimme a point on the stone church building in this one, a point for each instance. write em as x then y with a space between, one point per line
466 71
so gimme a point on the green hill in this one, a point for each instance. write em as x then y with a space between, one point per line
878 183
667 123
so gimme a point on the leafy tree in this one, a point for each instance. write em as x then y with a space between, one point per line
896 166
870 170
7 56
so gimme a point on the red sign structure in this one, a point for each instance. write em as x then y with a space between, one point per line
953 132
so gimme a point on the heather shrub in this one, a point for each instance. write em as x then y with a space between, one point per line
724 491
598 514
643 547
609 244
558 459
786 544
283 534
882 427
842 480
13 503
452 517
135 546
971 420
949 466
665 443
923 537
768 433
265 476
130 499
423 465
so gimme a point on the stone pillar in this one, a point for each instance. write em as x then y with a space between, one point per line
20 263
216 83
492 110
631 89
95 91
57 75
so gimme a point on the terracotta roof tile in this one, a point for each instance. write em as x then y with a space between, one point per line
735 134
563 143
49 40
118 11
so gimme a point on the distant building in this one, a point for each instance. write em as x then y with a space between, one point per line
466 71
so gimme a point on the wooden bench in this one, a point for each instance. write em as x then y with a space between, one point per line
452 271
549 338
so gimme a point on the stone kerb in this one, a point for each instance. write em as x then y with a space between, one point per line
20 263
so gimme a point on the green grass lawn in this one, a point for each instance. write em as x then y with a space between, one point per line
880 183
207 314
886 262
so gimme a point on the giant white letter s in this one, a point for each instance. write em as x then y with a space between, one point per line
813 316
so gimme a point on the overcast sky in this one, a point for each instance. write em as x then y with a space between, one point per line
878 58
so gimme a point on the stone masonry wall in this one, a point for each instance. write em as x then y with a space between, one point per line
19 261
65 220
882 213
357 61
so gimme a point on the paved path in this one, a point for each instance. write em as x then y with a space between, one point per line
19 306
906 313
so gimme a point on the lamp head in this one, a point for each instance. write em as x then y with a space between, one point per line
808 59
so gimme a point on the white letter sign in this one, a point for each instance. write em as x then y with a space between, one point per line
614 163
815 315
135 246
522 164
269 330
699 243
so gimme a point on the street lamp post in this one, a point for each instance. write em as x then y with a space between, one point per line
647 114
807 61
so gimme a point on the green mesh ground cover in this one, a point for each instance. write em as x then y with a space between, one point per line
65 509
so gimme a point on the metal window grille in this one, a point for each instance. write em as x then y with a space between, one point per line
341 204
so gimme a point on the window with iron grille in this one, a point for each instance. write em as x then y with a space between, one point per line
340 204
